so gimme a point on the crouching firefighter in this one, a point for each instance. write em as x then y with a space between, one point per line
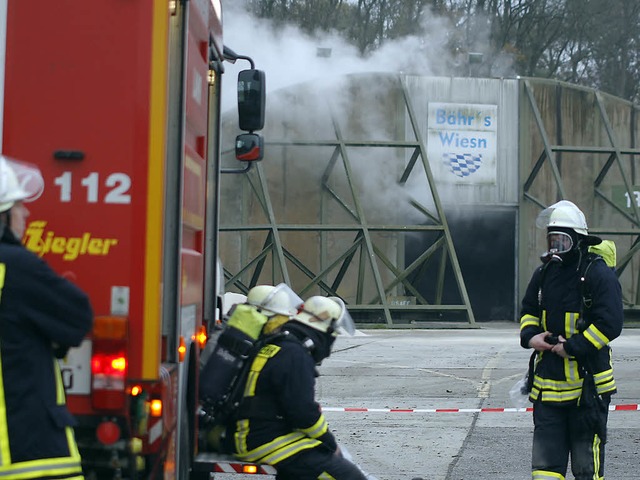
249 326
41 316
279 422
571 311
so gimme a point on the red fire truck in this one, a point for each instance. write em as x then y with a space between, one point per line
118 103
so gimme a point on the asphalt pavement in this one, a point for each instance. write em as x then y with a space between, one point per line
434 403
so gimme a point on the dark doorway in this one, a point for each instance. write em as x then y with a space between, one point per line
484 240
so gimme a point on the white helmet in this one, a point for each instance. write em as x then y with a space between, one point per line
563 214
279 300
327 314
18 182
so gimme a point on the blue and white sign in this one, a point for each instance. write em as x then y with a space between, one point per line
462 142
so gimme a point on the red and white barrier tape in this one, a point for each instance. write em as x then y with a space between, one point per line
612 408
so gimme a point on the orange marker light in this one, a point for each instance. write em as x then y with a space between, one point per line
201 336
136 390
182 349
249 469
155 408
110 327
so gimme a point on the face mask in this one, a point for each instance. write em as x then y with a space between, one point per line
559 243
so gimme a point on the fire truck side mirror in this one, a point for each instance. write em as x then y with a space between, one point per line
251 99
249 147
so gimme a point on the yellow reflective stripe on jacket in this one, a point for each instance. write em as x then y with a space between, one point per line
529 321
571 323
61 400
604 381
596 337
326 476
283 446
318 429
42 467
39 468
5 452
3 271
550 396
265 353
571 371
262 451
544 475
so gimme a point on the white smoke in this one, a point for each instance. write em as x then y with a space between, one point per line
289 56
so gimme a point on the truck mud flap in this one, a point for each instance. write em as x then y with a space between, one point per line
206 465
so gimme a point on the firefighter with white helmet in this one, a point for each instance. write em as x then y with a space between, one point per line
41 316
279 421
571 311
266 308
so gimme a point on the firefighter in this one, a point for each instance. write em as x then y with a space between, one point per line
571 311
279 421
265 309
41 316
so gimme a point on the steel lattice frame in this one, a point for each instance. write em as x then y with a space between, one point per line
362 254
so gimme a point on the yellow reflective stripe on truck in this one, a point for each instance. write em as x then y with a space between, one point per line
155 188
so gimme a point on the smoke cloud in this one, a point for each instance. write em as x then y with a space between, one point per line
289 56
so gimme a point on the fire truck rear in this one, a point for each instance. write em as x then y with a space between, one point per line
118 103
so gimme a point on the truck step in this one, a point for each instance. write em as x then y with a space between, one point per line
207 463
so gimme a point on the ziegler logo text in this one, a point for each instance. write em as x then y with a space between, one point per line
41 242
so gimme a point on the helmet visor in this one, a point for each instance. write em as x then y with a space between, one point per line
344 324
559 242
282 301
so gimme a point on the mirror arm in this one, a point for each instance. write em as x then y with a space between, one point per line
231 56
237 170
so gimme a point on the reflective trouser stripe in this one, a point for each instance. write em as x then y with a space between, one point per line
290 450
597 443
542 475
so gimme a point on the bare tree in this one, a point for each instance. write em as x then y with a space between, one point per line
590 42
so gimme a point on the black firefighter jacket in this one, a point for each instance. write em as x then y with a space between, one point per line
39 311
555 305
280 417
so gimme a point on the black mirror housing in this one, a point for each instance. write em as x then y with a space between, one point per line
249 147
251 99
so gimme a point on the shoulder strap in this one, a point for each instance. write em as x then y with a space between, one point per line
585 292
543 269
229 406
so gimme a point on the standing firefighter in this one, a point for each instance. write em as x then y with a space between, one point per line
41 316
279 421
571 311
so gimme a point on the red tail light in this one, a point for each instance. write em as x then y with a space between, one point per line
109 363
108 370
108 379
